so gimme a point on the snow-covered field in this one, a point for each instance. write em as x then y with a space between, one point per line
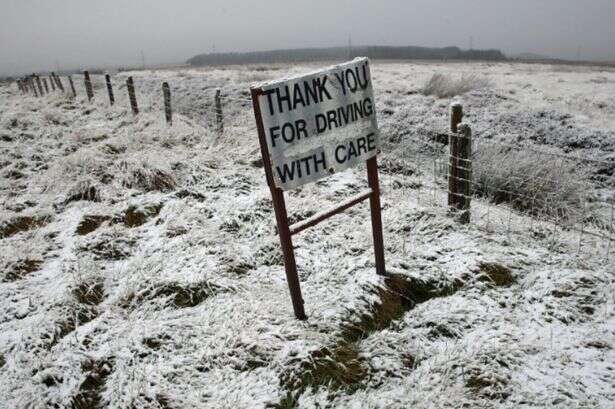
140 265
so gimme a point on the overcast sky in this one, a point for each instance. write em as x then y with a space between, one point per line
37 35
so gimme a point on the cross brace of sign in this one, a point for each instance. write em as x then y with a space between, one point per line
286 231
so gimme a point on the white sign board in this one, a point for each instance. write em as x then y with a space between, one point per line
320 123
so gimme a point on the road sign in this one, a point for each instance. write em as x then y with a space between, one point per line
320 123
309 127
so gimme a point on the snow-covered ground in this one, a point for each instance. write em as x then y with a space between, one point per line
140 266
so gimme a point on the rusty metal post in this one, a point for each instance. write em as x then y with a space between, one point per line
72 86
88 85
45 85
110 89
219 117
376 212
279 207
453 177
166 93
130 85
39 85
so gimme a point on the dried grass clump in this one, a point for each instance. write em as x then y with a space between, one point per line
530 181
444 86
143 175
83 190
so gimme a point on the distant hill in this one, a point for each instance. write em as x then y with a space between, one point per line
343 53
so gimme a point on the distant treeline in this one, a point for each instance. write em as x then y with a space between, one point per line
342 53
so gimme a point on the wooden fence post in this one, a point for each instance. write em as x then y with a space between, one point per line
53 83
130 85
109 89
219 117
460 171
33 85
59 83
456 118
465 172
88 85
45 85
166 93
72 86
39 85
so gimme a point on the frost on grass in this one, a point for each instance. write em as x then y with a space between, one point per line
141 266
19 224
141 174
529 181
340 366
446 86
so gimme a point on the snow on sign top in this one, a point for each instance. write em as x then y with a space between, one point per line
320 123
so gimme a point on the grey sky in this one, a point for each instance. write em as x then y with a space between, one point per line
35 34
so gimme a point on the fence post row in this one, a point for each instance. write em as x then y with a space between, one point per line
219 117
130 85
88 85
109 89
166 93
460 165
72 86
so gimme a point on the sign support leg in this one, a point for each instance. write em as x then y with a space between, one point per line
374 203
290 266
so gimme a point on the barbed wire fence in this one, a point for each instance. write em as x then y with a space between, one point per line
496 186
505 188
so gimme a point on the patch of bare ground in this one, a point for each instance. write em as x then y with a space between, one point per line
340 365
159 401
178 295
109 247
496 274
90 391
147 179
486 385
20 224
136 216
572 301
21 269
83 190
90 223
83 308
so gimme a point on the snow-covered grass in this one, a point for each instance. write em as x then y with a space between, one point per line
531 181
141 266
444 86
